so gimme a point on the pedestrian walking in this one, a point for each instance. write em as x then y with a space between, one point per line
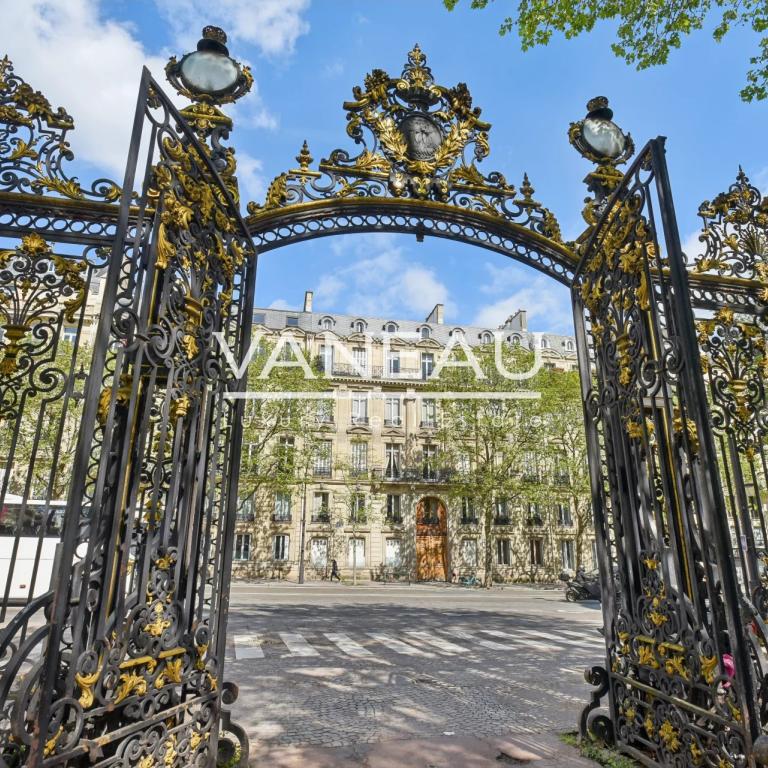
335 570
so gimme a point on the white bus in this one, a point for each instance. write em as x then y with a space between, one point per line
29 533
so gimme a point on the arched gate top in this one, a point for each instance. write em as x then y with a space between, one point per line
415 172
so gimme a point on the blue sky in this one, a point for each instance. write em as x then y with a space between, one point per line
306 57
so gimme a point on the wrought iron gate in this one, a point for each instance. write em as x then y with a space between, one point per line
679 680
119 662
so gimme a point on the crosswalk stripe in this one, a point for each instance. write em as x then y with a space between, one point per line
248 647
399 646
515 636
437 642
297 645
472 637
587 634
346 644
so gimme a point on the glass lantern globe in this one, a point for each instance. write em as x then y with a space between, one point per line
604 137
209 72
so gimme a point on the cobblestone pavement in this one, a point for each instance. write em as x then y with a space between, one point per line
334 666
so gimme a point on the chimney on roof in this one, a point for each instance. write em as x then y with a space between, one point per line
436 315
307 301
517 322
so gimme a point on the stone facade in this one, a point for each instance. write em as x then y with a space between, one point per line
378 371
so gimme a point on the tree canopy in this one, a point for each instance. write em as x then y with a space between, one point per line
646 32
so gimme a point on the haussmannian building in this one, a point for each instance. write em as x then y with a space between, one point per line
380 419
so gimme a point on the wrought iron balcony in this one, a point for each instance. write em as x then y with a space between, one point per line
360 421
469 520
322 471
502 520
320 517
393 422
561 478
394 519
534 521
281 518
349 370
428 424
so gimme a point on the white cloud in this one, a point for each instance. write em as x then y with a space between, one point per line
547 303
381 281
280 304
333 69
253 184
692 246
271 25
89 65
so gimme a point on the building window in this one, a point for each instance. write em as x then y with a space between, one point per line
318 552
359 458
427 364
468 511
359 326
569 346
285 455
360 359
259 318
503 552
327 323
537 551
534 514
360 408
530 467
357 508
564 517
323 455
429 465
394 464
463 465
428 413
324 412
392 412
568 554
457 333
282 508
486 338
292 321
69 334
393 553
469 552
320 507
356 553
502 512
325 358
394 514
544 342
243 546
393 361
281 545
390 328
426 332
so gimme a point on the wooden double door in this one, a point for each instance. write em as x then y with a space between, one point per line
431 536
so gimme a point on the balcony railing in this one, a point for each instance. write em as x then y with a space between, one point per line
348 370
321 471
280 518
502 520
320 517
469 520
359 420
394 519
534 521
428 423
393 422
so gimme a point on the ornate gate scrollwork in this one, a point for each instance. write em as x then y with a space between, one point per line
671 606
119 662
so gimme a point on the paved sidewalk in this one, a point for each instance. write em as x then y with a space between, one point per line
537 751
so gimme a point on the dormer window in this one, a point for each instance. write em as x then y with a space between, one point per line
569 346
544 342
486 337
457 333
358 326
391 327
426 332
514 340
326 323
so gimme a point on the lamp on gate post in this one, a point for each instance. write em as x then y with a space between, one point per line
209 74
209 77
599 139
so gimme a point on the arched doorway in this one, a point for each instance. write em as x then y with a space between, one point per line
431 540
